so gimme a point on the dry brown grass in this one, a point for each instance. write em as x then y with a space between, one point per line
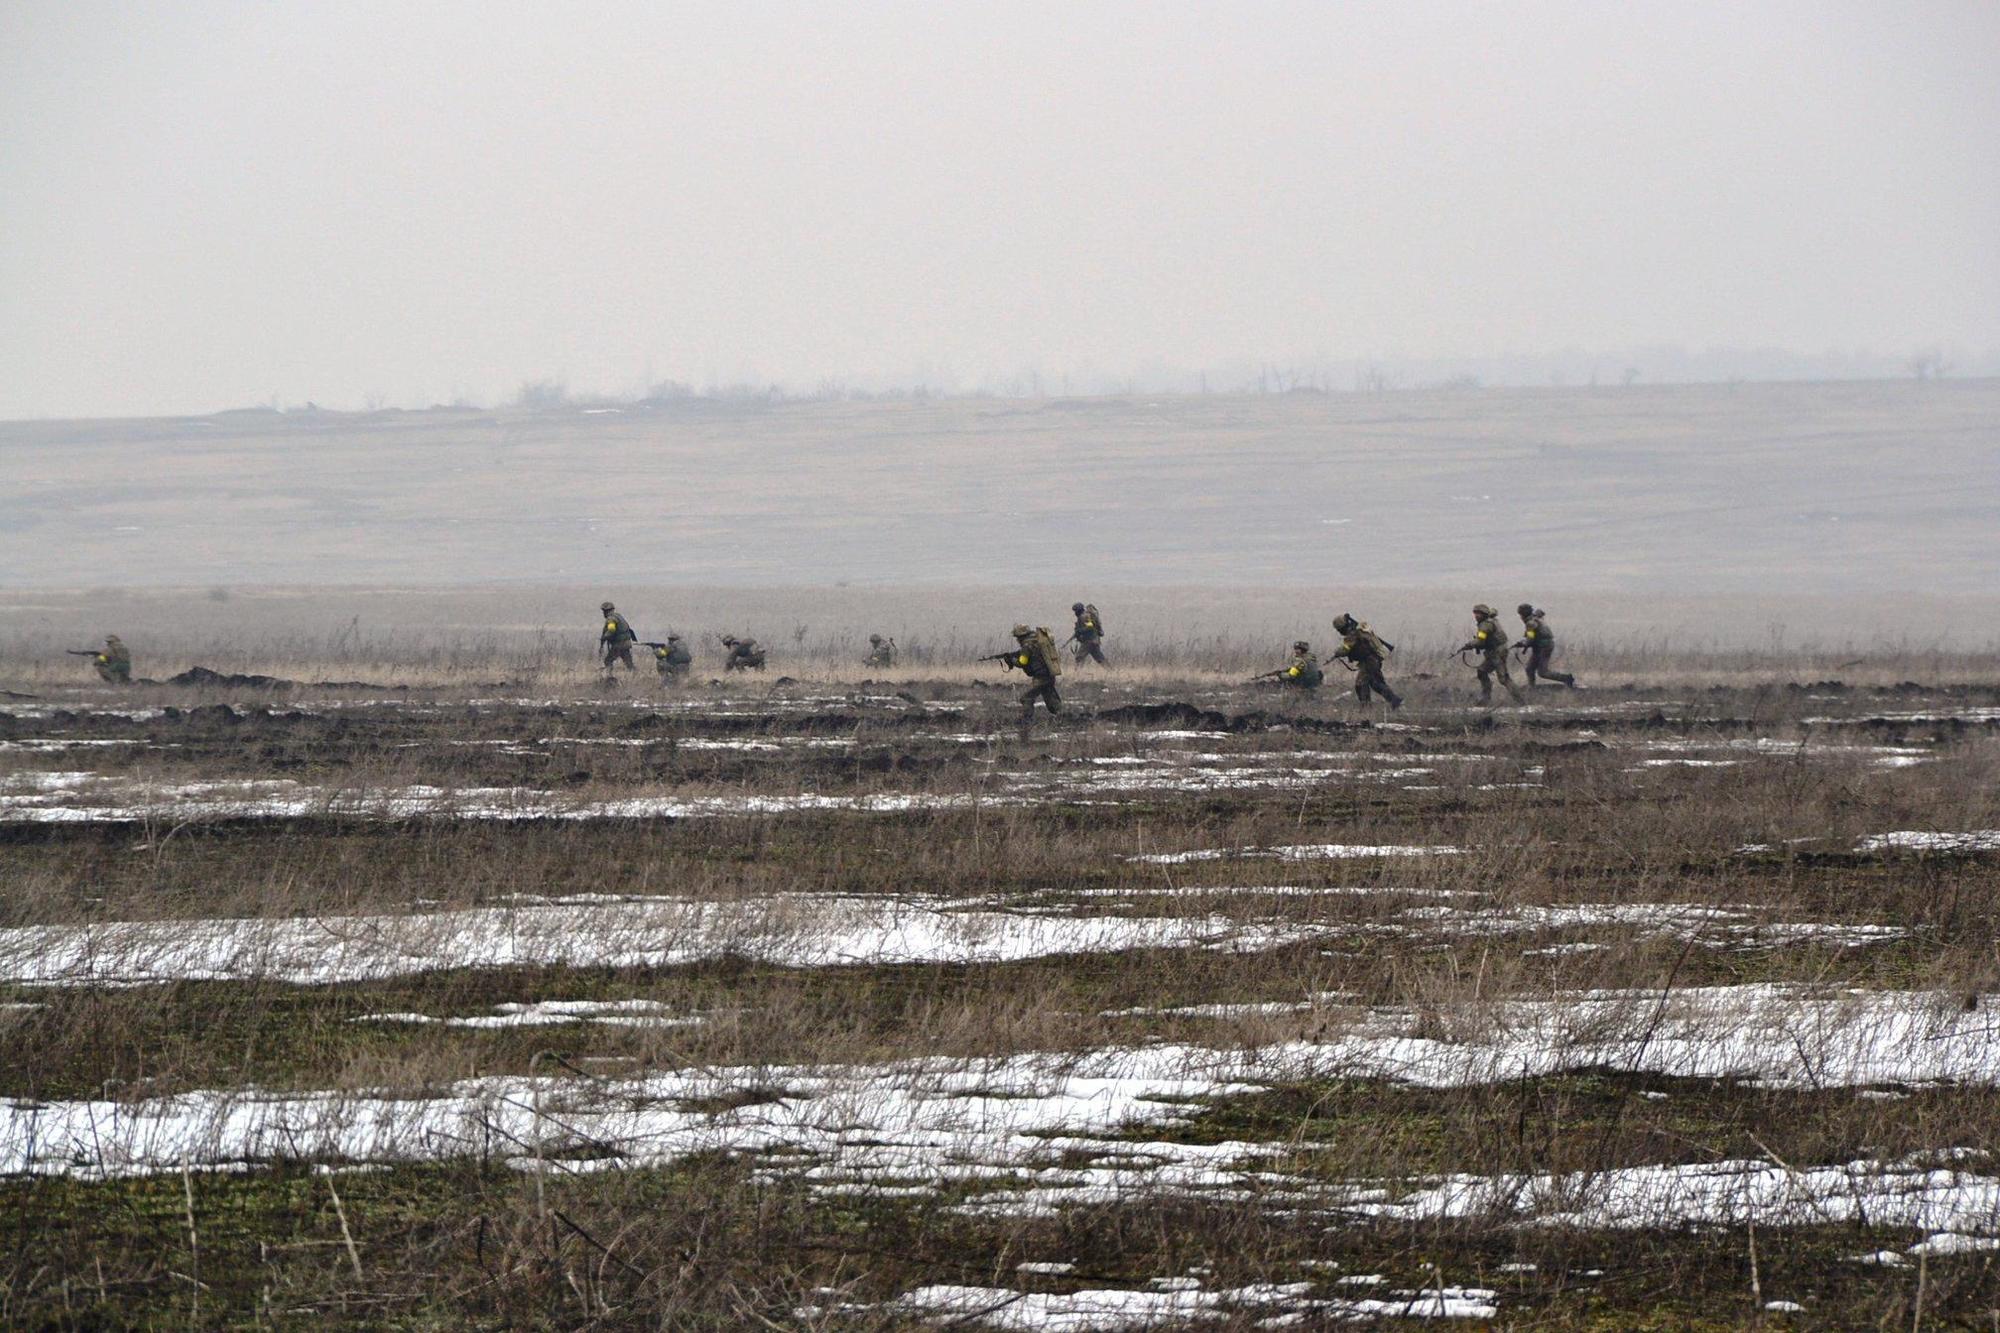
706 1241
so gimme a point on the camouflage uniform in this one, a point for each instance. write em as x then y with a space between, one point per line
673 659
881 652
1365 649
744 655
1036 657
617 638
1540 641
114 664
1304 672
1491 645
1089 634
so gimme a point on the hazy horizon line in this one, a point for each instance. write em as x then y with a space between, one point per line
1360 376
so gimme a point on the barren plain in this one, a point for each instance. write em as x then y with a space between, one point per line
434 982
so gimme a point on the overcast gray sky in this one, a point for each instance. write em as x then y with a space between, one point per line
209 203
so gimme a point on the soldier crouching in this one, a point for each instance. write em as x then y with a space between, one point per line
673 659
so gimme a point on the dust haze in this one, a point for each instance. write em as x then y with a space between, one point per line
1881 491
1130 297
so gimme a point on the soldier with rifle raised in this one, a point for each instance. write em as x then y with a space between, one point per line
1363 651
1302 673
113 662
672 658
1036 656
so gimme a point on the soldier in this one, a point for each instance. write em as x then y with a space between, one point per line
673 659
617 638
1037 657
881 652
1089 633
1540 641
113 663
1491 646
744 654
1304 672
1367 651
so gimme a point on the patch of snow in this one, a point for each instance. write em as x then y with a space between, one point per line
1953 1242
1115 1309
545 1013
1915 1192
1315 852
796 930
1880 1258
1984 840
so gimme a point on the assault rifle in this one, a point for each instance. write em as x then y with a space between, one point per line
84 652
1005 659
1268 675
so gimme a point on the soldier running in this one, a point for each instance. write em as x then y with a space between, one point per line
1088 634
881 652
1540 642
744 654
1367 651
617 638
673 659
1491 645
1037 657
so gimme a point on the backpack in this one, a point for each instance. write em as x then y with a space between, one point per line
1091 619
1044 645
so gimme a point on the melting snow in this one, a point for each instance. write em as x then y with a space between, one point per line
1043 1122
1985 840
1318 852
544 1013
800 930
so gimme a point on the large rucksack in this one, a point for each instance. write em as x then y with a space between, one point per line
1093 621
1045 648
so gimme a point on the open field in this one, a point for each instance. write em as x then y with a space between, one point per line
828 1002
1829 490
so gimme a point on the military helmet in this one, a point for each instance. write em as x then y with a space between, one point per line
673 638
1021 631
1526 608
729 639
1343 622
1301 647
113 638
606 607
1076 607
1482 610
874 638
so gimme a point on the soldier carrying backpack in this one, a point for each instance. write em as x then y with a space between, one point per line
1038 657
1088 636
